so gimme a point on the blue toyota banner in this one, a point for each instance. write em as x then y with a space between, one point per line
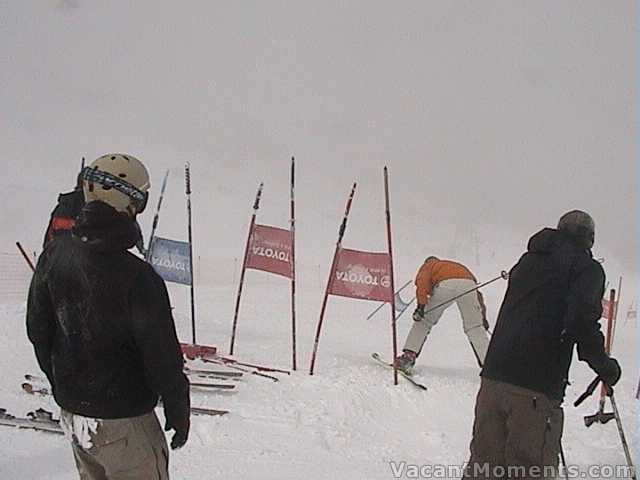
170 259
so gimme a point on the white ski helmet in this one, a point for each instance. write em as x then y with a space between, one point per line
118 179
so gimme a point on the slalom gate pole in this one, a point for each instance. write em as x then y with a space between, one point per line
256 206
156 217
294 363
379 307
504 275
609 342
623 439
26 257
343 227
615 313
394 334
187 182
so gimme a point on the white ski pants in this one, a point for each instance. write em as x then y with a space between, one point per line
470 311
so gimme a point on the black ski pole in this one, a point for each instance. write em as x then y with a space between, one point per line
384 303
504 275
588 392
623 439
564 462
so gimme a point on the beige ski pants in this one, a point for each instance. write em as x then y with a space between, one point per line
516 434
470 310
124 449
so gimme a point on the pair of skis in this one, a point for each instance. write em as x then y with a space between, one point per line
31 389
40 420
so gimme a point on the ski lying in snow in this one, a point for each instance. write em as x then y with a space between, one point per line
44 391
40 420
240 369
260 368
202 371
214 386
378 359
208 411
213 374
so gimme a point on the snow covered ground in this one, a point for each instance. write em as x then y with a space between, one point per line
346 422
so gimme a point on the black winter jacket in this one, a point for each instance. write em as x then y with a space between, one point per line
553 302
100 322
64 215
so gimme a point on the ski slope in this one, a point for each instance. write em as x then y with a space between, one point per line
346 422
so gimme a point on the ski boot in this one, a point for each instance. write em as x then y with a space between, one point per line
406 361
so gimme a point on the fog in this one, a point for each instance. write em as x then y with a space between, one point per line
493 117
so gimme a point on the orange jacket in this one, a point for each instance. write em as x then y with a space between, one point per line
435 271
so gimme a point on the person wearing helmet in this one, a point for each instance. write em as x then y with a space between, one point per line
552 303
100 322
437 282
63 216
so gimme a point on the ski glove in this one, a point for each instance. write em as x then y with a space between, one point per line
181 433
611 372
418 314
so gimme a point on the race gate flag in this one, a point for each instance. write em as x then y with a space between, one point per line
270 250
362 275
170 258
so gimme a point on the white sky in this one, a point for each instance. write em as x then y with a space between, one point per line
497 114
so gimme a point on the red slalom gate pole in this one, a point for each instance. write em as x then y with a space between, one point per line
343 227
608 343
293 267
394 334
615 313
256 206
26 257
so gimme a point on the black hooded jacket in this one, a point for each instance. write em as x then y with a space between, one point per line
553 302
100 322
63 216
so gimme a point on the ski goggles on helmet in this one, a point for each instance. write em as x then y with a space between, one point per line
107 180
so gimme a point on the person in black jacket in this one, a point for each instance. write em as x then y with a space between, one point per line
63 216
100 322
553 303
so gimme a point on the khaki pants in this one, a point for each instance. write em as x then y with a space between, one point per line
516 434
470 311
124 449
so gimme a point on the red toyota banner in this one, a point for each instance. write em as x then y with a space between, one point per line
270 250
363 275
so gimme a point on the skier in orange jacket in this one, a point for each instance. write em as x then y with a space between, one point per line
437 282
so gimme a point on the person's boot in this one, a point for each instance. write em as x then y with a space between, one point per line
406 361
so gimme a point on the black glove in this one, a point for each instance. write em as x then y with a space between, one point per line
181 433
610 372
418 313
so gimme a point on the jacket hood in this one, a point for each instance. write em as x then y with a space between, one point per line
102 228
550 239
